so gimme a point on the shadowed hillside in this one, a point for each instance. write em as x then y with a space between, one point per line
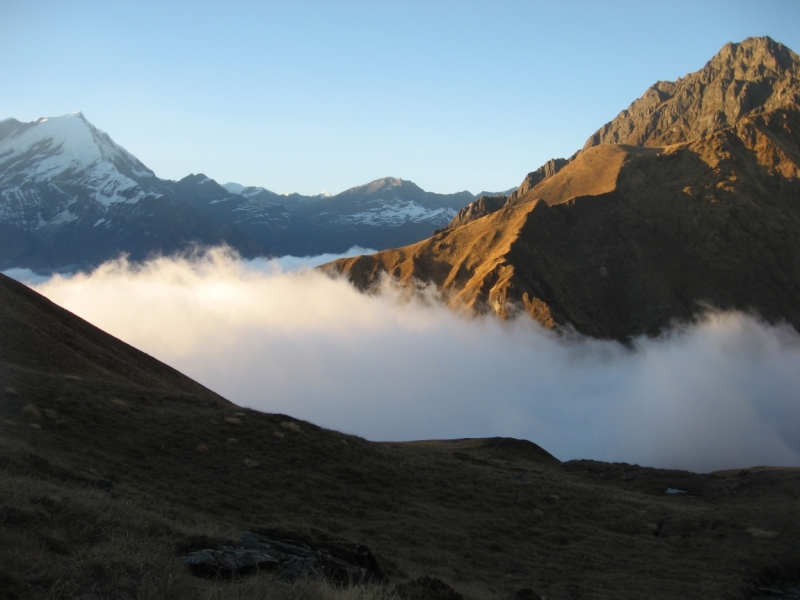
111 462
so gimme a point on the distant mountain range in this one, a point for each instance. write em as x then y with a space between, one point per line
688 200
70 198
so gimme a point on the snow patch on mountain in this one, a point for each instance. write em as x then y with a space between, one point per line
64 216
396 212
247 191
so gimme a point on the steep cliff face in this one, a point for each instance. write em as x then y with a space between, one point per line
628 238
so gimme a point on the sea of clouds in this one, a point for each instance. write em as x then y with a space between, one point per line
278 336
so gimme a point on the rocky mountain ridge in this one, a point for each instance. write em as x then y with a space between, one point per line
754 76
623 239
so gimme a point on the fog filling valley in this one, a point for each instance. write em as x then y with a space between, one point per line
277 336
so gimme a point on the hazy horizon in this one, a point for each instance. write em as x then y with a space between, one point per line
278 337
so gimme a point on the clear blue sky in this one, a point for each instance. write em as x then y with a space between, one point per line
309 96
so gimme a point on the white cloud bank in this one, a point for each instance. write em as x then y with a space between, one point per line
722 394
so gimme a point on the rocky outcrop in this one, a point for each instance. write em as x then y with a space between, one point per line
485 205
291 556
534 178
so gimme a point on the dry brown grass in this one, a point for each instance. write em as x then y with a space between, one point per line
130 554
592 173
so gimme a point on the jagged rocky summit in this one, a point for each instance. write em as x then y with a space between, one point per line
688 200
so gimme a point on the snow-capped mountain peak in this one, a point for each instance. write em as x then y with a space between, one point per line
48 164
69 142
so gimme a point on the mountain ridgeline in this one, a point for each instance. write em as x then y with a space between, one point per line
687 200
72 198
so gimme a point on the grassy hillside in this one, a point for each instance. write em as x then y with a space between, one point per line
111 462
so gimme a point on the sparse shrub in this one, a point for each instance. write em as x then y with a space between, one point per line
291 426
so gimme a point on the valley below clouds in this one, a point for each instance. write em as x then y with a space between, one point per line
278 336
